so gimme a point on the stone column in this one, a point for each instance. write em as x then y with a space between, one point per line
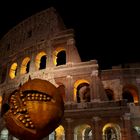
96 131
69 89
127 127
69 132
94 87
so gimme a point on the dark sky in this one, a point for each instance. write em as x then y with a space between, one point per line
106 31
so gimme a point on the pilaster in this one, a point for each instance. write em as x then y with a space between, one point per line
32 64
69 89
94 87
69 132
127 127
97 132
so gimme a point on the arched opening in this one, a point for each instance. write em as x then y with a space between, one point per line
41 61
28 67
4 134
109 94
87 134
110 134
25 66
111 131
81 91
128 96
83 132
59 56
90 135
13 71
130 93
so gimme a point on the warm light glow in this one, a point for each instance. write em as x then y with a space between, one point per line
24 65
38 59
82 128
0 99
108 125
59 132
13 69
114 126
55 53
77 83
135 95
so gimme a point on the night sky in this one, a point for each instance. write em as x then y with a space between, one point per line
106 31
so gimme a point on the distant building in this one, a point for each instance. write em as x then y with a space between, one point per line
99 105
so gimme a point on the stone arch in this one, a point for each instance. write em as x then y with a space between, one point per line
130 92
40 60
83 132
59 56
111 131
4 134
13 70
81 91
110 94
25 65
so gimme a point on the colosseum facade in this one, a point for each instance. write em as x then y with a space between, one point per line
99 105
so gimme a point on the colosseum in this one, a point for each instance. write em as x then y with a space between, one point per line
99 105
